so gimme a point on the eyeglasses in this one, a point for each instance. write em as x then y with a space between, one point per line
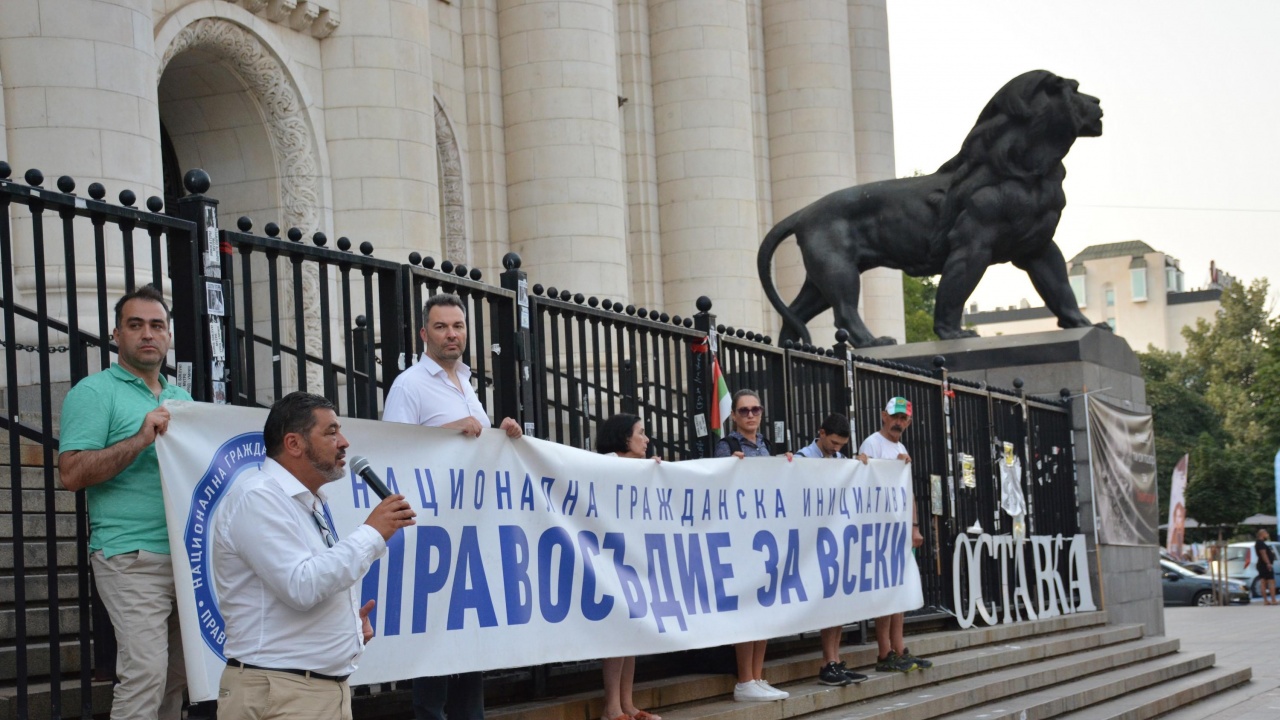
323 523
749 411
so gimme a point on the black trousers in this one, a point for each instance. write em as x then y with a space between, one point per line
449 697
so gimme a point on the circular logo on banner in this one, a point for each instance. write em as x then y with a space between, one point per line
237 455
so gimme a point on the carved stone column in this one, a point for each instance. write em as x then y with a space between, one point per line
80 100
873 138
644 240
811 142
564 164
380 126
706 164
486 160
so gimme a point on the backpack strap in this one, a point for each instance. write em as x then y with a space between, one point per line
735 446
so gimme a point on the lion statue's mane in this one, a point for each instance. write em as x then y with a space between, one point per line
997 200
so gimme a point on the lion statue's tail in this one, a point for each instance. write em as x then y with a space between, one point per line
764 266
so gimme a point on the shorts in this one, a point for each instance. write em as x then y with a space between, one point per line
1267 573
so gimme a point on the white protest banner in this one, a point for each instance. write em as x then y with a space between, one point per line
528 552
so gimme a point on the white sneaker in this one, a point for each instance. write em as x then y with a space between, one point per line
752 692
777 694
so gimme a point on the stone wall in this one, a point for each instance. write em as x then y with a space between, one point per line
636 150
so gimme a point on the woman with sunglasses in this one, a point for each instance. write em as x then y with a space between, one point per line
743 442
622 436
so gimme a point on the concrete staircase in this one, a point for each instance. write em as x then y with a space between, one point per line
1073 666
35 581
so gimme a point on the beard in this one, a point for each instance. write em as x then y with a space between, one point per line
444 352
329 469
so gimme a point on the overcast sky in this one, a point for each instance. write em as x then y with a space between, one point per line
1190 152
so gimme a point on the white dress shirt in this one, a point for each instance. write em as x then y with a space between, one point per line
289 600
424 395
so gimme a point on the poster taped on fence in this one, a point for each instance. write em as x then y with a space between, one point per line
529 552
1123 458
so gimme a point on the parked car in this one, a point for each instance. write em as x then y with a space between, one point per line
1183 587
1198 567
1243 566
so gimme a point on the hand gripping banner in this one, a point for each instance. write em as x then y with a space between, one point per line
529 552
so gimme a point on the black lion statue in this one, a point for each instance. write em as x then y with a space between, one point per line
998 200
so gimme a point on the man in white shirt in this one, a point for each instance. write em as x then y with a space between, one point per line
437 392
886 444
286 581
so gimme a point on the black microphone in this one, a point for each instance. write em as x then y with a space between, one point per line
360 466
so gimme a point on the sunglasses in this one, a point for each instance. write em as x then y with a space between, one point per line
749 411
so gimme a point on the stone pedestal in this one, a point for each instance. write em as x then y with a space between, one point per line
1081 360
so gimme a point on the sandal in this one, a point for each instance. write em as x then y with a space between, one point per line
623 716
642 715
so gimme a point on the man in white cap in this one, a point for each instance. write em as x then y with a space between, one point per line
886 444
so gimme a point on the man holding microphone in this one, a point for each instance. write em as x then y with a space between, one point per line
286 581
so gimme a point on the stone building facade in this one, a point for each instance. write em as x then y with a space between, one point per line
630 149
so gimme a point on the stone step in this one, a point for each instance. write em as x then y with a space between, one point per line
35 526
38 622
1257 698
1069 633
1088 692
36 557
968 676
32 478
38 660
33 501
29 452
1166 697
39 694
36 587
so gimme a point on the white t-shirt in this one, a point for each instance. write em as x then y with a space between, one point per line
879 447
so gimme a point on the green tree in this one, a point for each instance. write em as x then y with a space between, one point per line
1268 382
1222 391
1224 360
1180 414
919 296
1215 494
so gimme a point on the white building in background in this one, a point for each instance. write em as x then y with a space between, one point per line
631 149
1137 290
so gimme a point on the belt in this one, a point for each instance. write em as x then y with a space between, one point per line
304 673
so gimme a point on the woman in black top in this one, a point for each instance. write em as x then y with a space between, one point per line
622 436
1266 567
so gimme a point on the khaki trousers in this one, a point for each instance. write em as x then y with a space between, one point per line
137 589
246 694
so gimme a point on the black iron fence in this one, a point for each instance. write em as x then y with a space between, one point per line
257 316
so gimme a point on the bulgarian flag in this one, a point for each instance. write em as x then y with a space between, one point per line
724 401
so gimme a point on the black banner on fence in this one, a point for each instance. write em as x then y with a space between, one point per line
1123 457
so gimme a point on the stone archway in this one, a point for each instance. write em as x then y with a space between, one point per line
453 213
231 106
283 112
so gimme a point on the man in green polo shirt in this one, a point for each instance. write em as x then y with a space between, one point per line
110 421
